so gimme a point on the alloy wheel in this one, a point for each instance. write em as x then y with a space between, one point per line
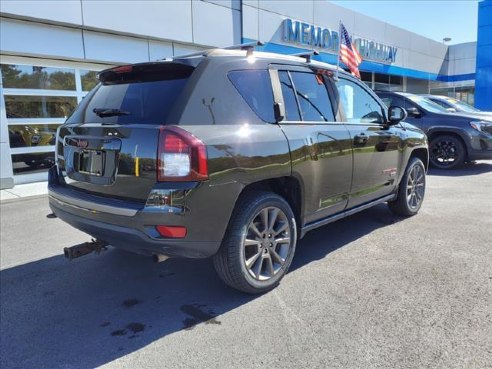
444 153
267 243
415 187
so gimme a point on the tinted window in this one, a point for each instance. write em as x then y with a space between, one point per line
255 87
290 102
426 104
358 104
442 103
139 102
313 97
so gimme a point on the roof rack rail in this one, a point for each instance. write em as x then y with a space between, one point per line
248 46
245 46
306 55
198 53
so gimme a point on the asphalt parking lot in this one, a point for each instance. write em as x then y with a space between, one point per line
370 291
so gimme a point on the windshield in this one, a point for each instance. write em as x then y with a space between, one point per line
427 104
462 106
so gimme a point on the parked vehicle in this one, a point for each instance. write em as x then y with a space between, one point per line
455 105
233 155
28 136
454 138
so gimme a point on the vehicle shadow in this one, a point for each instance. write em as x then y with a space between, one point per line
320 242
93 310
468 169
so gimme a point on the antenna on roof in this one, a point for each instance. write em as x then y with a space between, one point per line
307 55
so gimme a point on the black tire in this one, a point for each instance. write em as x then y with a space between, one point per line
411 190
246 238
447 152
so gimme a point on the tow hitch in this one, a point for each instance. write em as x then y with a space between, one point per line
84 249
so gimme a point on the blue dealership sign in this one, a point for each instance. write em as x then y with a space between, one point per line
323 38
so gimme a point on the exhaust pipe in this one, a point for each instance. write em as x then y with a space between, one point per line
84 248
159 258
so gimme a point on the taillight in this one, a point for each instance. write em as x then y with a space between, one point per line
181 156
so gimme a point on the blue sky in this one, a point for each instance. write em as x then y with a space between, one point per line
432 19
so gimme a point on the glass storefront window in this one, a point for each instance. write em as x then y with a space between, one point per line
32 162
37 77
37 100
366 77
88 79
381 78
417 86
32 135
386 82
39 106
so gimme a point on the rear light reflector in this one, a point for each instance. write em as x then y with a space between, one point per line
181 156
171 231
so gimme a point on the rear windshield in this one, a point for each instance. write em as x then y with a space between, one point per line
145 97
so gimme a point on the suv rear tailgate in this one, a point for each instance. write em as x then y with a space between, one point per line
112 160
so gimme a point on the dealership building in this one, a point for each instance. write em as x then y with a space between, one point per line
51 51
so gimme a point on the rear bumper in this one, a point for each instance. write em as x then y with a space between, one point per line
131 225
132 239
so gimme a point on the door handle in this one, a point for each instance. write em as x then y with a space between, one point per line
360 139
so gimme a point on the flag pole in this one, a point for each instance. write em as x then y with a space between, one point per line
338 53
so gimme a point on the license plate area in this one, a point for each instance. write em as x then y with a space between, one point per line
91 162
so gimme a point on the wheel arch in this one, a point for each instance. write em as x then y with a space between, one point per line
422 154
444 131
290 188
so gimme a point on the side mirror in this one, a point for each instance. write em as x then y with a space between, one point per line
414 112
396 114
451 110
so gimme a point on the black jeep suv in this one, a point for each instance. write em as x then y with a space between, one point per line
454 138
233 155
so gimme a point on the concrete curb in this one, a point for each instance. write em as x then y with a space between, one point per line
24 190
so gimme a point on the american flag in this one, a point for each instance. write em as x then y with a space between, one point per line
348 53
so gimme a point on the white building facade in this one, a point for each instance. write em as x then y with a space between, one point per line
51 51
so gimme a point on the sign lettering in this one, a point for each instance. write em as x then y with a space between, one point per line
324 38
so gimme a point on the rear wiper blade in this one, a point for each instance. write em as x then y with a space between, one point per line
104 112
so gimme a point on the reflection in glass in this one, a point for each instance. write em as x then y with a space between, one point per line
21 135
32 163
39 106
359 106
312 96
291 108
36 77
255 87
89 79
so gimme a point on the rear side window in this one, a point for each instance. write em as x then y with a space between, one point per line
256 89
313 97
140 97
289 94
